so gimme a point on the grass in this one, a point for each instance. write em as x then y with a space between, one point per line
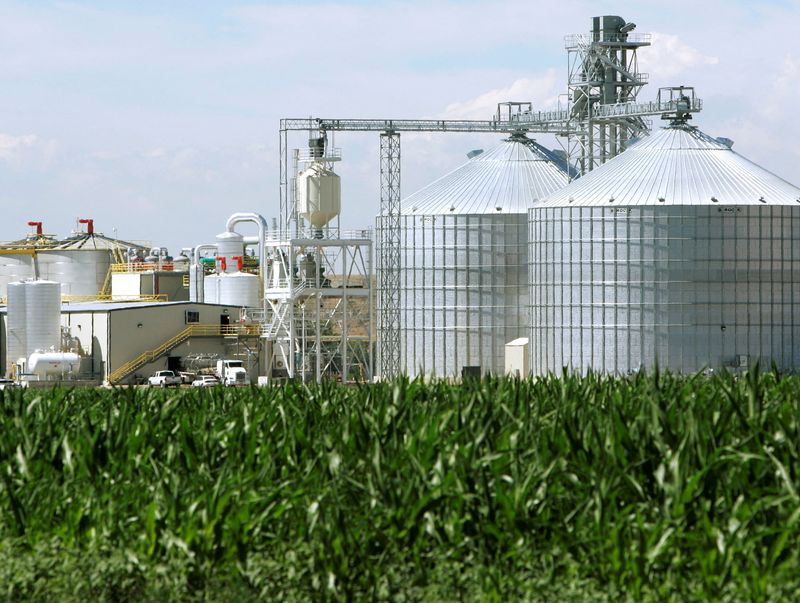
656 487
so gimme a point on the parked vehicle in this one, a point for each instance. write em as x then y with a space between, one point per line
232 372
205 381
165 379
8 384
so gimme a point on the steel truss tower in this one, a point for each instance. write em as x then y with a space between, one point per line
603 70
389 257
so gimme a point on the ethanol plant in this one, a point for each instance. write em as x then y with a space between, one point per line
678 253
463 249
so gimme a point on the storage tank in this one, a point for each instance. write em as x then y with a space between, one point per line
211 288
239 289
318 195
463 258
16 325
80 263
678 252
43 316
53 364
229 246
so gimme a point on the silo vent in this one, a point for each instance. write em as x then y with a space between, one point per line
611 200
474 153
414 208
714 200
571 199
452 208
762 199
498 207
661 199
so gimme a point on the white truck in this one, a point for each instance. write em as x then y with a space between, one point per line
232 372
165 379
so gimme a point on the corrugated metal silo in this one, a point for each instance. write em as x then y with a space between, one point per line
678 252
464 259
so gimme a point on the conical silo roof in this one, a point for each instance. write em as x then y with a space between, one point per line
503 180
677 165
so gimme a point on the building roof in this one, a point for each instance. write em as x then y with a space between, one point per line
677 165
110 306
95 240
508 178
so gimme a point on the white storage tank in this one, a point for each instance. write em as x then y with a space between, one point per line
679 253
52 364
196 283
239 289
230 245
43 316
211 288
16 325
318 195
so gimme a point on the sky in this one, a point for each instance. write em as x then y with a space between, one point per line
160 119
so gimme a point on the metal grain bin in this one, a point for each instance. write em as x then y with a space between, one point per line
679 252
464 261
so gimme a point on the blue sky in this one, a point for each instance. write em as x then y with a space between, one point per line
159 119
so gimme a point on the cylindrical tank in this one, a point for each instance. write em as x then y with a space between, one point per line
43 316
463 252
48 364
239 289
16 325
679 253
230 244
196 283
211 288
318 195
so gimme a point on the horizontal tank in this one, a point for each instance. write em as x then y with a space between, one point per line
49 364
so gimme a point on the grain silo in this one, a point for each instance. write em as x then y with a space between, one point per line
463 259
679 252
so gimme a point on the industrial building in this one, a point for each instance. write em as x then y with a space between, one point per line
127 341
625 249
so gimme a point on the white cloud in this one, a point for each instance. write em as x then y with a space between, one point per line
542 91
27 151
669 56
10 146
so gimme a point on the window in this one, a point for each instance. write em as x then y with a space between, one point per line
192 316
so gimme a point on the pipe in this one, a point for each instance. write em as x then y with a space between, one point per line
259 220
89 224
38 226
198 272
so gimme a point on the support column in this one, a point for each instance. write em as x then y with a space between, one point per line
389 257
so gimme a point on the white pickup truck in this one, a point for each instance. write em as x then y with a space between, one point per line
165 379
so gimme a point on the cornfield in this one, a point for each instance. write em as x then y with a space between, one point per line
648 487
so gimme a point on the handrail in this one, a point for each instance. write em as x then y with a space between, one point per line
196 330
